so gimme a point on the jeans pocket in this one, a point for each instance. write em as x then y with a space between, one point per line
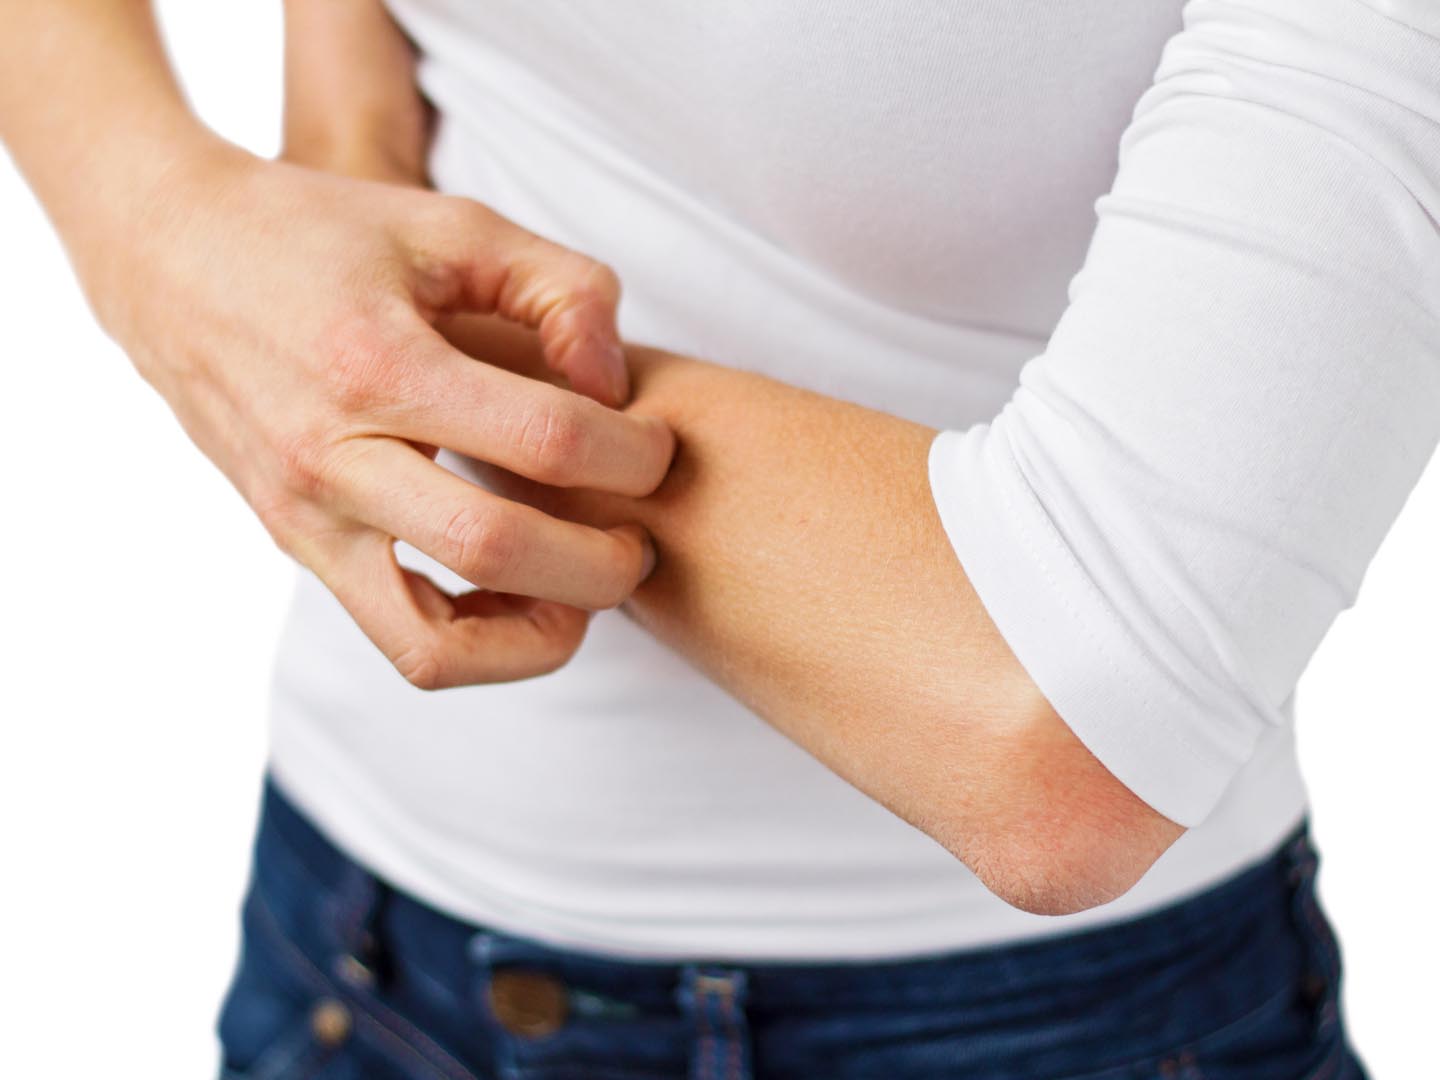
319 1045
1298 1033
265 1036
284 1020
273 1026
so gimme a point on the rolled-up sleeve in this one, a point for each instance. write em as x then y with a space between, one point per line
1187 486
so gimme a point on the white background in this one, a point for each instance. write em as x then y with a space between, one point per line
141 606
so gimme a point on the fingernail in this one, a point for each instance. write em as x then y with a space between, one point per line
648 559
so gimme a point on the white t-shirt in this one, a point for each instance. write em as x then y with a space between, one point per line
1163 487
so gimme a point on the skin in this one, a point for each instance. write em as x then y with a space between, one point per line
824 593
286 314
826 596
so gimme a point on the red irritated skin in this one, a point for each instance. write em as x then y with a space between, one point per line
803 567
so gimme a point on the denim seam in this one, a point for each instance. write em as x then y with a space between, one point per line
354 905
706 1050
418 973
732 1032
392 1029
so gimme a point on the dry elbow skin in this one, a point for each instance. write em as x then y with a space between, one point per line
1057 833
1046 878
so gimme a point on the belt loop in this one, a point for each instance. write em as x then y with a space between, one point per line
359 960
481 948
715 999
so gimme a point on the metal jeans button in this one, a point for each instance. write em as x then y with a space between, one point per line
330 1022
528 1003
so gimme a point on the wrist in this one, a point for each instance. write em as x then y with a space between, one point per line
124 230
360 154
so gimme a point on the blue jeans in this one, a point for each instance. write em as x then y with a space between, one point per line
342 976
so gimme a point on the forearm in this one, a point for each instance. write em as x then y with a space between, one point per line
1182 494
285 315
351 102
91 112
803 568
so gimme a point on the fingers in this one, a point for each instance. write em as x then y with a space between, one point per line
495 341
532 428
489 264
435 640
489 541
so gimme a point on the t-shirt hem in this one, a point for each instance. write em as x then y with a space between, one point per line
1067 637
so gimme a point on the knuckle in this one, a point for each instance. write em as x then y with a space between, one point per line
591 290
304 466
598 282
362 368
563 634
457 215
554 445
464 209
420 665
481 545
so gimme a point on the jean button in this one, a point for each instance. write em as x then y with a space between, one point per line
330 1022
528 1003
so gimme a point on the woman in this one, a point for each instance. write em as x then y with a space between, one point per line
911 755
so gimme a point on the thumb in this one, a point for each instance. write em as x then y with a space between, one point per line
476 260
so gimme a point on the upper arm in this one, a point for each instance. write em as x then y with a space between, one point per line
1189 483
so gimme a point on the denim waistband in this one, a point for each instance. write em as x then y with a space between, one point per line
344 904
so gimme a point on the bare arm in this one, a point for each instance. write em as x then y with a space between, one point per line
93 116
804 567
351 102
286 315
804 570
1182 494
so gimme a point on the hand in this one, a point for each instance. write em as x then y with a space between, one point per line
287 316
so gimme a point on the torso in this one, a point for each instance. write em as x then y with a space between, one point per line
885 204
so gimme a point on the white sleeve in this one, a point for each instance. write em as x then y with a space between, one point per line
1187 486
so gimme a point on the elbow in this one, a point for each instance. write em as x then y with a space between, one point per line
1044 875
1055 832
